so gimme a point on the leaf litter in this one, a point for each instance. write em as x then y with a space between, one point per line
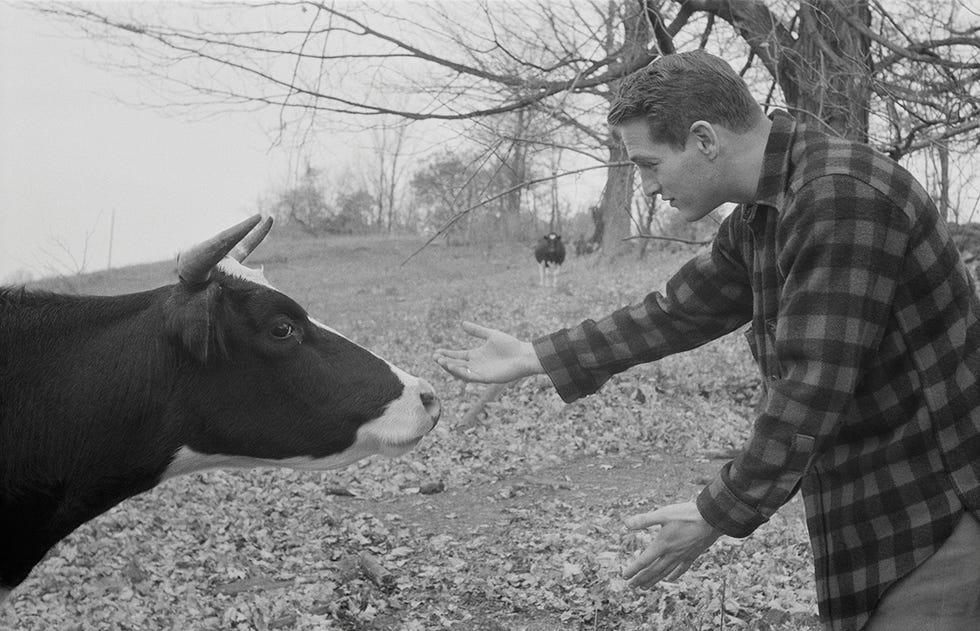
513 523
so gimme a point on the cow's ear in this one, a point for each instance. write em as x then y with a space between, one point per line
190 320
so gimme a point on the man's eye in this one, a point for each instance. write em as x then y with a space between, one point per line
282 330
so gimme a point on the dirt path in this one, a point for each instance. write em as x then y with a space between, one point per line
592 484
594 491
592 487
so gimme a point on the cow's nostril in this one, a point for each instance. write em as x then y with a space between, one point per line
431 403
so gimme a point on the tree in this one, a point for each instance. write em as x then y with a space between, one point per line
617 195
389 141
450 183
353 214
303 204
898 74
837 61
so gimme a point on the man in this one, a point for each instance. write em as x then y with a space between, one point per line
864 322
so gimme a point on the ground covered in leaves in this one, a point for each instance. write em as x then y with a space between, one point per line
513 522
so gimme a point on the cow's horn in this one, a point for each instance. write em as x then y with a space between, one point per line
251 240
195 264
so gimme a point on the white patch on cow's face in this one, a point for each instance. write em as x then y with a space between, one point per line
405 421
400 428
403 424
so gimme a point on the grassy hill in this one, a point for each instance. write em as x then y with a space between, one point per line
527 533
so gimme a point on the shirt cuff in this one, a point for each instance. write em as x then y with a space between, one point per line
721 508
561 365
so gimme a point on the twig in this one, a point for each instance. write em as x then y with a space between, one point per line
252 584
663 238
721 454
550 483
527 184
381 577
472 417
723 586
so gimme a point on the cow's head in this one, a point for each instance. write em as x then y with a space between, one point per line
268 384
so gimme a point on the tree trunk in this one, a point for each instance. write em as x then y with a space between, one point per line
618 192
616 203
944 179
382 187
827 83
515 174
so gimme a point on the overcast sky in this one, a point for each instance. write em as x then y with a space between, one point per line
74 154
70 155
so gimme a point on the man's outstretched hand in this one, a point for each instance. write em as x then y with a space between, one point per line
501 357
683 536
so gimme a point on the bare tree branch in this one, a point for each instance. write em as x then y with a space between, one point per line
490 199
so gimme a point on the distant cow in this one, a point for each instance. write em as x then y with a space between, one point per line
550 254
102 398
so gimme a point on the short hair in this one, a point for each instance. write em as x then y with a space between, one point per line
674 91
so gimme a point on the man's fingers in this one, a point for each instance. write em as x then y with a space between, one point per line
646 520
647 559
652 575
667 567
684 536
450 354
458 369
678 572
476 330
686 512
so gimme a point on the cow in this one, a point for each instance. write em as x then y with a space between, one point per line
550 254
104 397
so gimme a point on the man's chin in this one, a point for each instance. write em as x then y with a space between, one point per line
691 215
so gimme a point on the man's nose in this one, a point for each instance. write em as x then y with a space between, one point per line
650 185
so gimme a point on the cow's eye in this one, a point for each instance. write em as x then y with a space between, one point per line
282 330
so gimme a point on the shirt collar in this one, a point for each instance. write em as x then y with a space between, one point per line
775 162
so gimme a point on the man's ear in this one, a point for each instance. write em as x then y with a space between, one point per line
705 137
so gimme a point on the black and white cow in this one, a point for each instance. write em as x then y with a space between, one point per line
102 398
550 254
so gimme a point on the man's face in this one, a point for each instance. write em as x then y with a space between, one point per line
685 178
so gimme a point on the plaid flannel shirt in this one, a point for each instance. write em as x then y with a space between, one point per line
864 323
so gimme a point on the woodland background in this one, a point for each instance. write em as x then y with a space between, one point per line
479 119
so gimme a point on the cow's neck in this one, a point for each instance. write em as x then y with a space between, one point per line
30 525
87 399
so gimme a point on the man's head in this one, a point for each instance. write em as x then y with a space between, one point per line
674 91
693 130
